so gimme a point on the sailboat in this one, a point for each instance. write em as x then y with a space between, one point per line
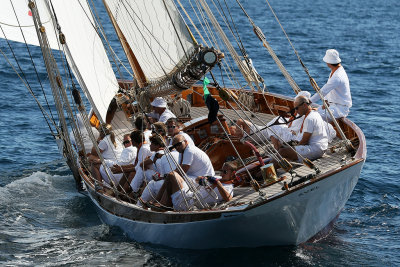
170 50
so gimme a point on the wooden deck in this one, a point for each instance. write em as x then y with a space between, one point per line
197 112
330 161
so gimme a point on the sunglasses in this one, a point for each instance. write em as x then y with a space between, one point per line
126 142
171 127
225 171
178 144
298 106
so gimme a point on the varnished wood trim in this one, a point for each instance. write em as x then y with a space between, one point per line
362 148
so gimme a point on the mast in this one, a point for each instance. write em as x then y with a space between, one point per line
159 46
58 90
137 70
87 59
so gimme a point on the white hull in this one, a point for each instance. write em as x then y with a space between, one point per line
288 220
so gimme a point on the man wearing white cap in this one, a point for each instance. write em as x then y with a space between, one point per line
337 90
161 112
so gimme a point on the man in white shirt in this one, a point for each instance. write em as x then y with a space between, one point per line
194 162
142 124
314 139
137 139
161 112
173 127
148 166
277 130
282 132
210 190
293 131
128 156
163 163
109 148
337 90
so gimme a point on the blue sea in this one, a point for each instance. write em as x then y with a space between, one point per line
44 221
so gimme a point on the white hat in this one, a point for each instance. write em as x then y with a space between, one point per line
159 102
306 94
332 57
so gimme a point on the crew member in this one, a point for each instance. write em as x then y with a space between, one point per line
336 91
160 110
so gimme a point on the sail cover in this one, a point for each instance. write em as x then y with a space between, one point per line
87 53
17 24
155 32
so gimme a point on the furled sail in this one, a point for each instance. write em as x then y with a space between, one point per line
17 24
155 32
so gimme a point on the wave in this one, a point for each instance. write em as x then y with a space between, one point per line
38 184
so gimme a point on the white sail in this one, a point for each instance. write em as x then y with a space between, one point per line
155 32
17 24
88 58
88 55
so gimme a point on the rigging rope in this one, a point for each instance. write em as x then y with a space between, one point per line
132 10
176 31
193 24
46 116
313 83
250 69
99 29
262 38
215 42
30 56
227 66
226 42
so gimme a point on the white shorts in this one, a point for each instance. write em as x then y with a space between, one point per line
109 162
151 190
182 199
309 152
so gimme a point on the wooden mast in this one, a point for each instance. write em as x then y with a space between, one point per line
137 70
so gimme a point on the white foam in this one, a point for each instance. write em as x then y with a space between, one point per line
35 184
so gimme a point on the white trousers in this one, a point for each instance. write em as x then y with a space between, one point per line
107 173
141 176
338 111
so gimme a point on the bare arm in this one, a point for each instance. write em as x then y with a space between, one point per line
244 125
185 168
306 139
225 194
122 168
146 163
275 142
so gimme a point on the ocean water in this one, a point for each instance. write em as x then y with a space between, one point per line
44 221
